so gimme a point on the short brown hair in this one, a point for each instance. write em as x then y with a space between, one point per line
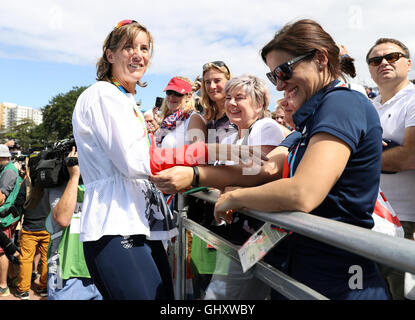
302 37
115 38
389 40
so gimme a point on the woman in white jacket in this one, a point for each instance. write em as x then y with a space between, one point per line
124 216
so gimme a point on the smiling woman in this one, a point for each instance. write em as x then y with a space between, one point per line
128 38
179 116
329 167
246 98
128 219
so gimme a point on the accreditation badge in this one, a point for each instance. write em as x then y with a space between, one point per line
258 245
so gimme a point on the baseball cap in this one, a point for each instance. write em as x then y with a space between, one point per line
4 151
179 85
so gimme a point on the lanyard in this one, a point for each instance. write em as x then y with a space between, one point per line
135 109
291 159
245 138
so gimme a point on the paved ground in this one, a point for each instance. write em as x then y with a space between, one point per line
32 294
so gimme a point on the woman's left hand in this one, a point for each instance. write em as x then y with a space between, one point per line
225 206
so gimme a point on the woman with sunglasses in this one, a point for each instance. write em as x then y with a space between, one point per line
124 216
181 124
332 165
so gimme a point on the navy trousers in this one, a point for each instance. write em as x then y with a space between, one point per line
129 268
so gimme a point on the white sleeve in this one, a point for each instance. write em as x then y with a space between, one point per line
120 133
410 113
195 113
266 132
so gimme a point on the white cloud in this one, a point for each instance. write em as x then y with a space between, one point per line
189 33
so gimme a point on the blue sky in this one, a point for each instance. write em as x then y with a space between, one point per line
49 46
34 83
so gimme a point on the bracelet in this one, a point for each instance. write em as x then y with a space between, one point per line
195 181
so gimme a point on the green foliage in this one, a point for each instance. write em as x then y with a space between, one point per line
21 132
57 115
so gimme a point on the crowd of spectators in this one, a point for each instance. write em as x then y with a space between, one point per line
81 239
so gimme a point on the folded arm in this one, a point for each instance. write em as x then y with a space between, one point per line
402 157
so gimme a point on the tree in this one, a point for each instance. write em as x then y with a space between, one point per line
21 133
56 125
57 115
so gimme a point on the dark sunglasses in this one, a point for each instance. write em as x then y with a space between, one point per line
284 71
175 93
218 64
119 25
390 58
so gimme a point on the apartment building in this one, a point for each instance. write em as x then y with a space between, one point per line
12 113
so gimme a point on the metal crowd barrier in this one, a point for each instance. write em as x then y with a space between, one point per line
395 252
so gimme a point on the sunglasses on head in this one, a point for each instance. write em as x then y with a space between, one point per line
218 64
284 71
390 58
175 93
119 25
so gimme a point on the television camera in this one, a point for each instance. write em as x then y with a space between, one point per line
48 168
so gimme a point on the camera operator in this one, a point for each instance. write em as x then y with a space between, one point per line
9 188
68 276
33 235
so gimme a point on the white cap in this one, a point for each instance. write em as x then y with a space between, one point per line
4 151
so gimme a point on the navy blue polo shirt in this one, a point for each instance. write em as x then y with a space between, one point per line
349 116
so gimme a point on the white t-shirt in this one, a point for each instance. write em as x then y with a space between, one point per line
264 132
178 137
395 115
113 155
357 87
351 84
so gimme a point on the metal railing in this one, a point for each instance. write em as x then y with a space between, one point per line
395 252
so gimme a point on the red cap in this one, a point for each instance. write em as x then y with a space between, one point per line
179 86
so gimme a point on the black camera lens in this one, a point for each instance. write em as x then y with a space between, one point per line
71 161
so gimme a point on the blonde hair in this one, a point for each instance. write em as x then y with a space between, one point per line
127 34
189 105
209 107
253 86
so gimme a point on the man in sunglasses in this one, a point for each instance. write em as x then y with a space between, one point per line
389 64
